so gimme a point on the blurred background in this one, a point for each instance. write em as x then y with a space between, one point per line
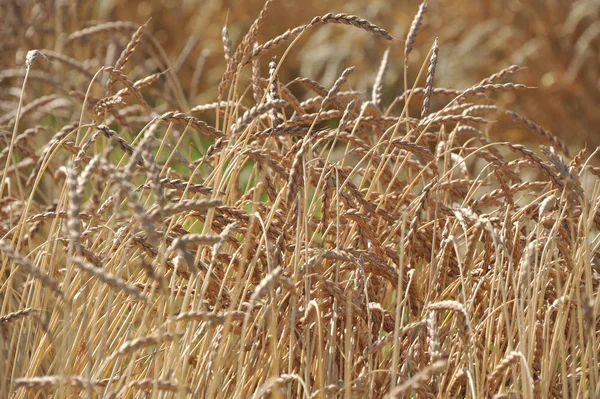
557 42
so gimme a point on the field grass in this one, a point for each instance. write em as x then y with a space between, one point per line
257 219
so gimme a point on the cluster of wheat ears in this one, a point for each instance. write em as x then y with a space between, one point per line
332 246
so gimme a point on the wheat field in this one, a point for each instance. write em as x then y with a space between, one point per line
224 224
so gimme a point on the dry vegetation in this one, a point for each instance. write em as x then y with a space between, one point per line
182 227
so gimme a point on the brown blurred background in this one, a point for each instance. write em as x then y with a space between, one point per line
556 41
